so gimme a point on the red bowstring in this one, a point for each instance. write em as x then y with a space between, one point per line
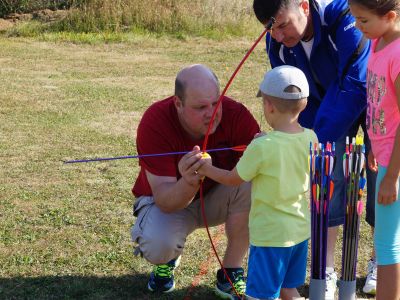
205 147
227 86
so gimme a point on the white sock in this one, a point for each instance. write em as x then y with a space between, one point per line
329 270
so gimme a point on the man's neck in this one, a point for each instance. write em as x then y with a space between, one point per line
309 31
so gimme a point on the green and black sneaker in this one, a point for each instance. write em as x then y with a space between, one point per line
162 278
224 289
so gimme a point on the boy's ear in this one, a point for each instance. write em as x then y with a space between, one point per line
268 105
303 104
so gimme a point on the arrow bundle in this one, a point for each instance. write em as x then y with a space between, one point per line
354 173
322 161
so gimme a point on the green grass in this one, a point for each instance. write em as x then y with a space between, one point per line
55 33
65 229
99 21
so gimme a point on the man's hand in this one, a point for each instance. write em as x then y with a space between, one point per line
189 164
372 164
388 190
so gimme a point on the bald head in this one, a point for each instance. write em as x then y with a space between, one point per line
195 77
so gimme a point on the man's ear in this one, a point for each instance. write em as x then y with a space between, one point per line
178 103
305 5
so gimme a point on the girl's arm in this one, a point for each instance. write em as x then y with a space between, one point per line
388 188
372 164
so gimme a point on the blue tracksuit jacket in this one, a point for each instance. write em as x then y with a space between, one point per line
336 71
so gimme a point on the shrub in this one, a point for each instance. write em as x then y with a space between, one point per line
25 6
161 16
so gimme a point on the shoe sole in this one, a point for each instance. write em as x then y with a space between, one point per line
370 292
164 292
178 261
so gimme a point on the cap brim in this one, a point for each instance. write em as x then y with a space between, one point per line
259 93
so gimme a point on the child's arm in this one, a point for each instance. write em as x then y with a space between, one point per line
259 134
372 164
222 176
388 190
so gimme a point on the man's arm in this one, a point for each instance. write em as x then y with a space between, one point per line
345 99
171 194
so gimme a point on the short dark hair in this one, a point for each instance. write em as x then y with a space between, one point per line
179 89
379 7
266 9
293 106
285 106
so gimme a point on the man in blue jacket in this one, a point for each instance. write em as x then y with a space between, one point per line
320 38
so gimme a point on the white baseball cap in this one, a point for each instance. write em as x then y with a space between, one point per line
277 80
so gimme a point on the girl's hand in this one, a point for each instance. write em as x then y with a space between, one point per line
372 164
388 190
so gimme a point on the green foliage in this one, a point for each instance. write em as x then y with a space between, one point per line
179 18
24 6
169 16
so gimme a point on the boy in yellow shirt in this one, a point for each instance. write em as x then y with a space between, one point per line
277 165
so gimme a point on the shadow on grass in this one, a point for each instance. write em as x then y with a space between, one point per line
304 290
92 287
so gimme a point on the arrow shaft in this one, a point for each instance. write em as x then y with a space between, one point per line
140 156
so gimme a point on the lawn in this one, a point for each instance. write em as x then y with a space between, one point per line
65 229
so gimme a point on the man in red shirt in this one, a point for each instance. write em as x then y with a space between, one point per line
167 205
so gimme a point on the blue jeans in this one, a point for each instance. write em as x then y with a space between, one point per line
337 205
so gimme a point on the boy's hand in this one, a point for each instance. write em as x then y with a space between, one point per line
259 134
388 190
206 161
372 164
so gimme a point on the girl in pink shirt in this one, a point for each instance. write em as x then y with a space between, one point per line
379 20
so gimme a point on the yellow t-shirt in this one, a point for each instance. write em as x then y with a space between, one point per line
277 164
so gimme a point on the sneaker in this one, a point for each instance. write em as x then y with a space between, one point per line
224 288
331 279
162 278
370 283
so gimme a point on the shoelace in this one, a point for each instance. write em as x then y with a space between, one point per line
238 283
330 280
163 271
372 271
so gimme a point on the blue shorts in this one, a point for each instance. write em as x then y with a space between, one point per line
273 268
387 229
337 205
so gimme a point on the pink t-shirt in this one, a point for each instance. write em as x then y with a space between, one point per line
383 116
